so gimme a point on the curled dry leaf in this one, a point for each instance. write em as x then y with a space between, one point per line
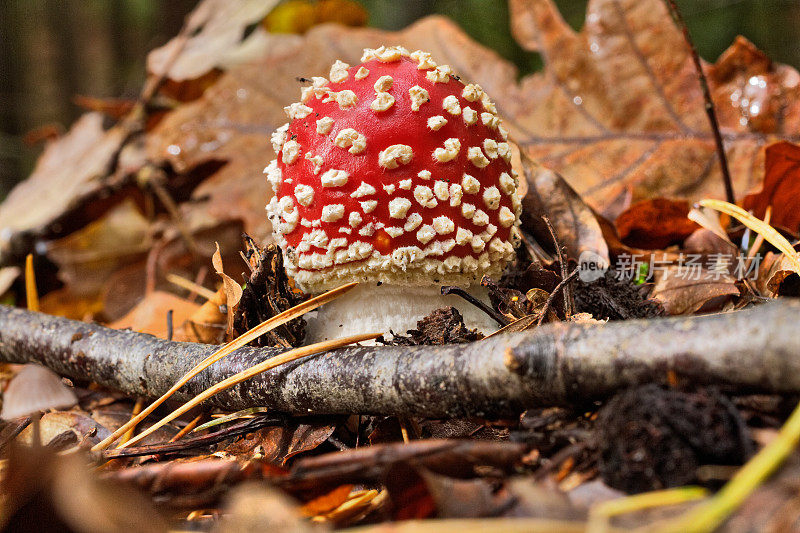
575 224
778 276
683 293
619 111
208 323
233 291
781 188
656 223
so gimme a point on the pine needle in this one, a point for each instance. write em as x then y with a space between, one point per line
759 226
226 350
707 516
191 286
31 294
228 418
601 513
244 375
137 408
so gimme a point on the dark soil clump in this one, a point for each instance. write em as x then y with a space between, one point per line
614 299
442 326
651 438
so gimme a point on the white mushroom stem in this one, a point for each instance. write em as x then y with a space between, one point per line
396 308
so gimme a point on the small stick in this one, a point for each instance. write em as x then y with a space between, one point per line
243 428
710 109
553 294
500 319
226 350
244 375
562 264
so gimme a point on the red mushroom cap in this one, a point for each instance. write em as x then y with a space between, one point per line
393 171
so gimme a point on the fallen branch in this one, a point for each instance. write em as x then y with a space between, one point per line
560 363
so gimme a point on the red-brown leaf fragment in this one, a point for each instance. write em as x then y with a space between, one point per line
656 223
781 188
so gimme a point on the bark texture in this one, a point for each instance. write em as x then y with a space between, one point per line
752 350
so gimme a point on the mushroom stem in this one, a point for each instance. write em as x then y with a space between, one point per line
392 308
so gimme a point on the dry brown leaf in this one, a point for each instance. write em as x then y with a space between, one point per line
777 276
682 294
214 37
655 224
327 502
87 257
619 113
207 324
72 171
781 188
150 315
574 223
233 291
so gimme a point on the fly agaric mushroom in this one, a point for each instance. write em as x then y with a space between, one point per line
393 172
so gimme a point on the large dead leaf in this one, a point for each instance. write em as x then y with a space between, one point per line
72 170
215 36
619 112
683 293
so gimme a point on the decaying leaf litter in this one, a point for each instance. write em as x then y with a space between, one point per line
137 208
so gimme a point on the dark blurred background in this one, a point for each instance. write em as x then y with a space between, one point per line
53 50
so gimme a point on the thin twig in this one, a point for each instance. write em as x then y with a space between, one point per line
563 283
709 103
137 408
497 317
189 285
562 265
31 294
188 428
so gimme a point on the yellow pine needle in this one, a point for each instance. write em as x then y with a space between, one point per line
707 516
759 226
600 513
244 375
137 408
226 350
31 293
188 429
184 283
